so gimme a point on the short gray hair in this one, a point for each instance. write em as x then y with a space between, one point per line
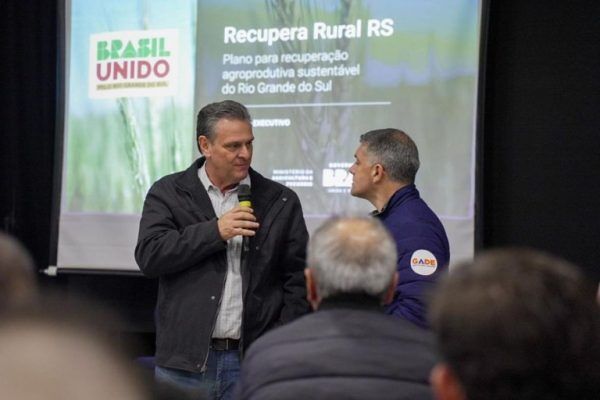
352 255
210 114
395 151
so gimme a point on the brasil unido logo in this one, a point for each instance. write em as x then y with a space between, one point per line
133 64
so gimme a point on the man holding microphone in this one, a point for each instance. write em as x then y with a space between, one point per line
217 295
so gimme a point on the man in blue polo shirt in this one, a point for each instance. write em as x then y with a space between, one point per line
384 172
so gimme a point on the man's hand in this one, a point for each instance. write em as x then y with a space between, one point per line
237 221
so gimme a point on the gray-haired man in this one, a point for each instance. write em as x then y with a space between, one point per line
348 348
215 295
384 172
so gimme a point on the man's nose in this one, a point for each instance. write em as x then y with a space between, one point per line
245 152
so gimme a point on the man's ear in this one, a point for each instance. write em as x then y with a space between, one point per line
377 173
311 289
203 145
445 383
391 290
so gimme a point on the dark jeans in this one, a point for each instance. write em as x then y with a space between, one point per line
217 382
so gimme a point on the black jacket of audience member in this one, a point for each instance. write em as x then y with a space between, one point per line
179 242
348 349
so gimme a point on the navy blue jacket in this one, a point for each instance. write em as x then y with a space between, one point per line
423 252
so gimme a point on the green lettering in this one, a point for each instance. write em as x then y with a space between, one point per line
162 51
115 46
144 50
129 51
147 47
102 52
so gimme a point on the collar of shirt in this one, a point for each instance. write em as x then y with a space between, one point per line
208 185
403 194
359 301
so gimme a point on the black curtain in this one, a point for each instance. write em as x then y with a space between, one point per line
541 132
28 73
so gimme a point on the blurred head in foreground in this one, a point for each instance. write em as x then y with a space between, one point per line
53 352
18 285
516 324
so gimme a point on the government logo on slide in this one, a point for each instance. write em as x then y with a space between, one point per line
133 63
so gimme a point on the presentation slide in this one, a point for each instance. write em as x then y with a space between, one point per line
315 75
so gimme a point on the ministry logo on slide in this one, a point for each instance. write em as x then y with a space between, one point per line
134 63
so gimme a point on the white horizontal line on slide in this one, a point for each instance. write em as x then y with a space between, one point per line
337 104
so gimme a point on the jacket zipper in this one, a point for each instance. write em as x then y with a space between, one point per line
214 322
243 266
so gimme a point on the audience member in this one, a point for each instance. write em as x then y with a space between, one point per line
52 347
348 348
49 352
18 285
519 325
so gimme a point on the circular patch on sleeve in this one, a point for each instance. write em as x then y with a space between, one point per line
423 262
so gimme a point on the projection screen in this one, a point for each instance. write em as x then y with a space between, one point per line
315 75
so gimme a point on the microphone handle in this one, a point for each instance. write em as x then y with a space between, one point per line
246 239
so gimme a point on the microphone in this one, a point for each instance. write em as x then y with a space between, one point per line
245 200
244 195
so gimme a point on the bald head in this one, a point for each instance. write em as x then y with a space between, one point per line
352 255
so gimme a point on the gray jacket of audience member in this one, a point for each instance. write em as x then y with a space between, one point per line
348 349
